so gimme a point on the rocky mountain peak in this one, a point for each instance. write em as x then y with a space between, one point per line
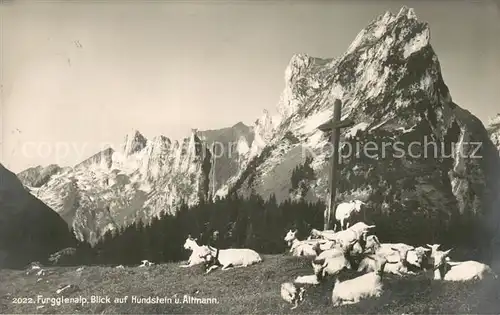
264 128
239 125
390 82
134 142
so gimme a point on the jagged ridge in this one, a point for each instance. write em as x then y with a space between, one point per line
141 180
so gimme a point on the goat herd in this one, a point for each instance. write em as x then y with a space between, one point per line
353 248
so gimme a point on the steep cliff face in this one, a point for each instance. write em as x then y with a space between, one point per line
29 230
261 133
229 146
390 82
141 180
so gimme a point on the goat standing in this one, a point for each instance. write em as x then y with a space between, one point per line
344 212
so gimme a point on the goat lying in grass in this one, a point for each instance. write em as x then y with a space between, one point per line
446 270
419 257
431 257
356 248
351 234
330 262
231 257
336 250
373 246
194 259
333 261
146 263
368 285
299 248
292 293
317 234
309 279
400 267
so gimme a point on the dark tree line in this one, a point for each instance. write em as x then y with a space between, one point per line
249 223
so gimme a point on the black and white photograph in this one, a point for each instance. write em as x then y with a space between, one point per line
249 157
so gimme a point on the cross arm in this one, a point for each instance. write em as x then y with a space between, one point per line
330 125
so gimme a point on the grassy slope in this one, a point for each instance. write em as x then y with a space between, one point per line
255 289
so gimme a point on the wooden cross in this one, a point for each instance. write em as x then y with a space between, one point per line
334 126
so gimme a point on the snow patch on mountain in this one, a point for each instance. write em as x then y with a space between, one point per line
417 43
242 146
352 132
263 131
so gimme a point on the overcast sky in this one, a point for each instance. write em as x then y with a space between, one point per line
83 74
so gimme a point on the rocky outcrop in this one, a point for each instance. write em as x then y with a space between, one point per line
38 176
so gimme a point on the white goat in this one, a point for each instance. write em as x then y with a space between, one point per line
434 248
351 234
393 252
374 246
146 263
194 259
344 211
419 257
299 248
333 261
332 252
429 258
353 290
231 257
446 270
400 267
326 234
292 294
309 279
